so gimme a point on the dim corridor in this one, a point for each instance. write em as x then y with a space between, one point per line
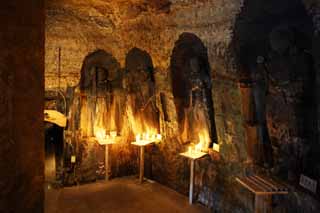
119 195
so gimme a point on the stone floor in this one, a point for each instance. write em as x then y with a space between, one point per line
119 195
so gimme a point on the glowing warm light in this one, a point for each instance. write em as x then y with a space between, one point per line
103 138
198 147
153 137
203 144
195 149
113 134
100 134
73 159
147 137
137 125
204 140
138 137
193 152
194 155
159 137
216 147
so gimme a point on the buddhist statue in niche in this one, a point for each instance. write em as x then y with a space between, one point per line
139 84
99 104
191 84
292 79
94 100
263 153
95 81
196 113
282 81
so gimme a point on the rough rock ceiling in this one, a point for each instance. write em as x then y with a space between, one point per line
104 7
126 9
82 26
105 13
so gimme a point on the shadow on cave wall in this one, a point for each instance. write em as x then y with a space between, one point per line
272 44
191 87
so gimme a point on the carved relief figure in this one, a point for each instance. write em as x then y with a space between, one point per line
140 89
292 82
260 90
191 84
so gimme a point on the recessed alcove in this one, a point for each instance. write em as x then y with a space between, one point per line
139 84
97 106
100 79
276 70
123 106
142 111
192 91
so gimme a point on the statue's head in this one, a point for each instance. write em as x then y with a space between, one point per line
198 75
281 38
101 77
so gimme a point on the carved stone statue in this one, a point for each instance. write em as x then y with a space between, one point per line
259 90
139 84
198 115
292 81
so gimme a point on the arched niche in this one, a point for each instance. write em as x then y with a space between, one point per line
191 86
257 20
101 104
139 84
99 68
272 42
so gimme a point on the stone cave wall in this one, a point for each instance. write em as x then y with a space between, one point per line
80 28
22 91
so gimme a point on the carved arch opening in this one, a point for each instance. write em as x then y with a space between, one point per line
192 90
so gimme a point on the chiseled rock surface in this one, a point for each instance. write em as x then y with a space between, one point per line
21 108
79 27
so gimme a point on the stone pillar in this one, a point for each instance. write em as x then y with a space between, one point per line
21 110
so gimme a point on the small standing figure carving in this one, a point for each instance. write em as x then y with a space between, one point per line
260 89
198 115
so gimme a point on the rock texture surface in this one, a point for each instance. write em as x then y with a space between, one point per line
81 27
21 108
235 34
